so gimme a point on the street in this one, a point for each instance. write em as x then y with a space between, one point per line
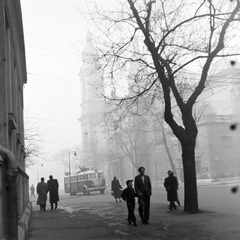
217 198
98 216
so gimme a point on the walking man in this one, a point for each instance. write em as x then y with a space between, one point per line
53 191
42 190
143 189
32 190
171 186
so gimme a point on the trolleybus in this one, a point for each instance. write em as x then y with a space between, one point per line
85 182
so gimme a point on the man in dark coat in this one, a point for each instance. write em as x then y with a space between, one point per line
116 189
171 185
143 189
128 195
53 190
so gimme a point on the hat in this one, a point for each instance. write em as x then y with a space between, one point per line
128 181
141 168
50 176
169 171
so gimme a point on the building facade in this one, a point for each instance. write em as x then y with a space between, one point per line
218 139
14 193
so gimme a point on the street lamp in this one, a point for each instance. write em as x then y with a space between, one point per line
69 165
38 180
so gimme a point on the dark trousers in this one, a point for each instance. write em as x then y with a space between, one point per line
55 205
172 205
42 207
144 210
131 208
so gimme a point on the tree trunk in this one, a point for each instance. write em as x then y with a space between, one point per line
156 175
190 181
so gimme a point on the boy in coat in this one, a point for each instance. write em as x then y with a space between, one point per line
128 195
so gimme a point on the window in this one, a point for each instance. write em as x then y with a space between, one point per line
100 175
92 175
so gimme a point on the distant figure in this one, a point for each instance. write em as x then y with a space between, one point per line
171 186
143 188
128 195
42 190
32 190
53 190
116 189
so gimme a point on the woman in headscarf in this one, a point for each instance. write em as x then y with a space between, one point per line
116 189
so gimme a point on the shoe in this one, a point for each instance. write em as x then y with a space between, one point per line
134 224
146 222
129 221
55 207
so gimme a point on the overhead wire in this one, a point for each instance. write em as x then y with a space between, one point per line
52 120
45 76
54 100
75 60
51 49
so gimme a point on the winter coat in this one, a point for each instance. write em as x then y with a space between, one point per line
116 188
53 190
171 185
42 190
128 195
143 187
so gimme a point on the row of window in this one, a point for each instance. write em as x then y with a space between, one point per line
84 177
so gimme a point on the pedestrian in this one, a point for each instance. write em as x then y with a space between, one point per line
42 190
32 190
171 186
128 195
143 189
53 191
116 189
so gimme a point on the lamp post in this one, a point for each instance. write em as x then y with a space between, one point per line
38 172
69 166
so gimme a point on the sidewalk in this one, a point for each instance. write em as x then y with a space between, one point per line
218 182
106 220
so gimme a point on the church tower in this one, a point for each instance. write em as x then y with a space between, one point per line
92 102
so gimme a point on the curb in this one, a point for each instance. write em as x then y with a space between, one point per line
23 224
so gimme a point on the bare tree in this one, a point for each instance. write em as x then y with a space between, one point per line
128 136
33 140
172 36
71 159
